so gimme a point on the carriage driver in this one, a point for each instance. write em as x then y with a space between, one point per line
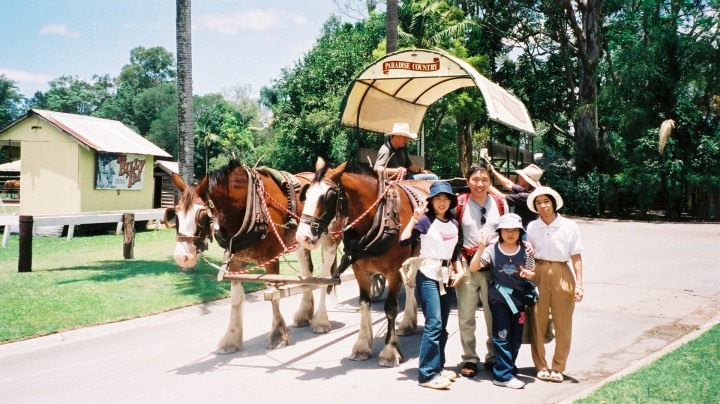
393 156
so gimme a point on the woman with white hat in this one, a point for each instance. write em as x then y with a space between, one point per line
556 241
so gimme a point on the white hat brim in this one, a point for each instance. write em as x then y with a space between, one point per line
408 135
544 191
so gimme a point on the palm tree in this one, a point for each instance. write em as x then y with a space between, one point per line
391 26
186 145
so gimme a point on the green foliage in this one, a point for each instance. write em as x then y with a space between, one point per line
659 61
10 102
305 100
74 95
149 67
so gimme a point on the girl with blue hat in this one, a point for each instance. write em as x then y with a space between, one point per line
439 267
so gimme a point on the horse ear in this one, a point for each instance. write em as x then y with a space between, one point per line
179 183
336 173
320 163
202 189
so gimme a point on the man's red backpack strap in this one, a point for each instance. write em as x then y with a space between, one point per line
500 202
463 200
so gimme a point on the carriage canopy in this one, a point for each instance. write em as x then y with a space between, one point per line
402 85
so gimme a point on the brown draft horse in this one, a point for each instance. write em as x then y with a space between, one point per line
219 202
12 188
358 184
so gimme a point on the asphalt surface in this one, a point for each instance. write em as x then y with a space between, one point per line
648 288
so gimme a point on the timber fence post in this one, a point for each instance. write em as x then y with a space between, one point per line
129 235
25 248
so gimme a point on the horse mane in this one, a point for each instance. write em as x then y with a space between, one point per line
187 198
220 176
352 167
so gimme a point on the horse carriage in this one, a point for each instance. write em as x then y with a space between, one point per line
259 214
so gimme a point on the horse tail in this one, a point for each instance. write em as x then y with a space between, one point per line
666 130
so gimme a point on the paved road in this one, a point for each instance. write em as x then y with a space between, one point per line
646 285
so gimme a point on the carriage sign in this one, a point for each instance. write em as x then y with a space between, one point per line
119 171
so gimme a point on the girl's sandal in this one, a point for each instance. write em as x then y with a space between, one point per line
544 375
556 377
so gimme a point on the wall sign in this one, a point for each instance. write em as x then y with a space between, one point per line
119 171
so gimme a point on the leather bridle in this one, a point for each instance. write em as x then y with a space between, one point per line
203 229
333 200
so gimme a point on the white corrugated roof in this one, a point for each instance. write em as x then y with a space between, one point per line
11 166
100 134
168 166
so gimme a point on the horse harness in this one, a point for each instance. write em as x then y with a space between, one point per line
384 230
256 219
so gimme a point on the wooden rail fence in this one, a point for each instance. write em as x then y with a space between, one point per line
27 223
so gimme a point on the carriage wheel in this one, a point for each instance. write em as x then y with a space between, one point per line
377 288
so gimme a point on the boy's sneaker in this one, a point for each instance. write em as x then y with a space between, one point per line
511 384
438 382
448 374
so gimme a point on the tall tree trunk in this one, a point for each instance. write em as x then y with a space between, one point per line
391 26
186 145
589 149
464 138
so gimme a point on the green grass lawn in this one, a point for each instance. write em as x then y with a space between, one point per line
85 281
687 375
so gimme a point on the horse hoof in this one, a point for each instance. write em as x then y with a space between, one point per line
389 363
224 350
321 329
301 323
280 344
359 356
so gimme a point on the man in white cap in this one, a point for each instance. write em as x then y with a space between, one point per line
528 180
393 156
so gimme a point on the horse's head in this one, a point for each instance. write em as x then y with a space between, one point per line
228 193
192 220
322 204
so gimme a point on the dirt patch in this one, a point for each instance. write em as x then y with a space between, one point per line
669 332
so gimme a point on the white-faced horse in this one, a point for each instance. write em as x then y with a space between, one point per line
351 190
252 217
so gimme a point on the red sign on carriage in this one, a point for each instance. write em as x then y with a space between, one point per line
413 66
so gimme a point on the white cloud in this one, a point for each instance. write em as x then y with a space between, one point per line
60 30
250 20
25 77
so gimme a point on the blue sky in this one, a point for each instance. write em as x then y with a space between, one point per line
235 42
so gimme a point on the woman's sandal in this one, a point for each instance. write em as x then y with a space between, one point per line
544 375
556 377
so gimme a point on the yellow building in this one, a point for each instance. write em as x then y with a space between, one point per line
76 163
